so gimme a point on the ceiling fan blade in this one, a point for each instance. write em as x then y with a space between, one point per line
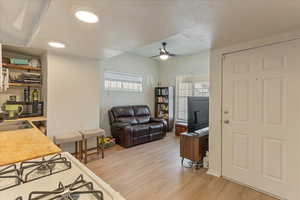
155 56
173 55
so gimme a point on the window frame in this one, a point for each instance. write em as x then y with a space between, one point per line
193 92
121 84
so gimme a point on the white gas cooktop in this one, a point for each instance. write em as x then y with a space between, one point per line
55 177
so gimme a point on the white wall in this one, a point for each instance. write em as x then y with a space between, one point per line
197 64
128 63
73 93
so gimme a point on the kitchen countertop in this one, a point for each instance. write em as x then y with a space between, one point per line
25 144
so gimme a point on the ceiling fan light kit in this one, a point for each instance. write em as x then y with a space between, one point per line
86 16
164 56
57 45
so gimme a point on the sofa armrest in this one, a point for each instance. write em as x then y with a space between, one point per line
152 119
122 131
160 120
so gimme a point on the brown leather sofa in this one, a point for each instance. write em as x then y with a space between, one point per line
132 125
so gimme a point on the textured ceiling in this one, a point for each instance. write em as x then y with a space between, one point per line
138 26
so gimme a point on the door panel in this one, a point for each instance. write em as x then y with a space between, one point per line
240 150
272 97
262 114
273 152
240 101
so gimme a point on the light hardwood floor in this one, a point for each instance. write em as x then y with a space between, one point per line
153 172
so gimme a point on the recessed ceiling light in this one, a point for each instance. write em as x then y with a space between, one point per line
86 16
57 45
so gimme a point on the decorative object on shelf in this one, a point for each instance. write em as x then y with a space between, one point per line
26 94
164 105
5 60
30 108
34 63
4 85
15 77
35 95
13 110
2 116
13 98
18 61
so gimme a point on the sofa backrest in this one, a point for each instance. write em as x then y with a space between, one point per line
142 114
131 114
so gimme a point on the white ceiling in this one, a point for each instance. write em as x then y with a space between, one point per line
139 26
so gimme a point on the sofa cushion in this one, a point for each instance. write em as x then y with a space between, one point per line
143 119
155 136
140 130
141 139
155 127
130 120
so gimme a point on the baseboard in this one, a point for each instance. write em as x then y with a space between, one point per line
254 188
213 173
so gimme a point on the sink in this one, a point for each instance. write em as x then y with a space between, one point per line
14 125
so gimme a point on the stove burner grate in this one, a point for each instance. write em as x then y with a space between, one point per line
33 170
69 192
10 173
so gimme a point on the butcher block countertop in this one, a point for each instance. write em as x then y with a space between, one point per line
25 144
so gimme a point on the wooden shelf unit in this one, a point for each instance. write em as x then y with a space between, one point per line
24 85
164 105
21 67
18 83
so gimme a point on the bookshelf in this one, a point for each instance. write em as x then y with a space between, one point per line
164 105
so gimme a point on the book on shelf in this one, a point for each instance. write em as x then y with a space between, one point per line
163 111
162 92
162 99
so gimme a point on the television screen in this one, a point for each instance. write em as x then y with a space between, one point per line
198 113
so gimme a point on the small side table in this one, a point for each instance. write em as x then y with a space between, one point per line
180 127
193 146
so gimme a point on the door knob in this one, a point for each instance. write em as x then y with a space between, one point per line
226 121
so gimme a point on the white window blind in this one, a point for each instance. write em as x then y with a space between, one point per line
117 81
189 86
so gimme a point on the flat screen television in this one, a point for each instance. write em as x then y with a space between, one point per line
198 113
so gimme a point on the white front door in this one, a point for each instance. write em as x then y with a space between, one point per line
261 118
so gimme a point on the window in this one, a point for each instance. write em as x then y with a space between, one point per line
116 81
189 86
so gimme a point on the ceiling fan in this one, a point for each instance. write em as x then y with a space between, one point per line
163 53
